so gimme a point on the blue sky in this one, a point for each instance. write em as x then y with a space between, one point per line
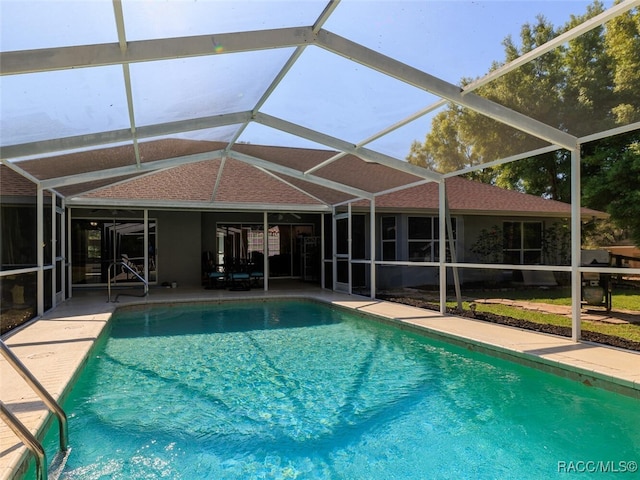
449 39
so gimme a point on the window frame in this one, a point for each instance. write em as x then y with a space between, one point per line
523 250
433 240
387 241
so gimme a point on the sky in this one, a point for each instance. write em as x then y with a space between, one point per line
449 39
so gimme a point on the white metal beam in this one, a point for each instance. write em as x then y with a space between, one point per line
291 185
130 169
448 91
495 163
45 147
324 16
20 171
555 42
518 62
265 96
610 133
356 192
364 153
82 202
63 58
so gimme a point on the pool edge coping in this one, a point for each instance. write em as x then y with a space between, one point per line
19 465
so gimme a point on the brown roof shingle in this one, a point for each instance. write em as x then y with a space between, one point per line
242 183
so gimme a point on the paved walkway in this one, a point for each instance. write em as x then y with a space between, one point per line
55 348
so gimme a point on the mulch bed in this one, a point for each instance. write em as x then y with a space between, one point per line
514 322
13 318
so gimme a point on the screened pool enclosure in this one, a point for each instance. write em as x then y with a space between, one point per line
100 99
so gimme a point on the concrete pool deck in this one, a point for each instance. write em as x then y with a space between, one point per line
55 347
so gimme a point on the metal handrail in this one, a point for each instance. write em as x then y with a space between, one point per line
128 267
33 382
28 439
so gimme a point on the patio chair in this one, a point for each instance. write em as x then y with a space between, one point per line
217 277
256 268
256 275
238 275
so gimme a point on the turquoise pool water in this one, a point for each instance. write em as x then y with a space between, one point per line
299 390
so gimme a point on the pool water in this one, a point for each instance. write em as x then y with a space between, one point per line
301 390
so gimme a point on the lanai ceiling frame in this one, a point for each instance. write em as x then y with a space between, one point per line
125 53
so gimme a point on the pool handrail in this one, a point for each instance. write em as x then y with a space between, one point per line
30 441
128 267
24 434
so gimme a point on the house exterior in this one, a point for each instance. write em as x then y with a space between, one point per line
176 222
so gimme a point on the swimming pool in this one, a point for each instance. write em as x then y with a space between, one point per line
301 390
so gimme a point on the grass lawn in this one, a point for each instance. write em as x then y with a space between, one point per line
621 299
630 331
627 300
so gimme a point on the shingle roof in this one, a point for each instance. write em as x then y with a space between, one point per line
467 196
233 183
11 183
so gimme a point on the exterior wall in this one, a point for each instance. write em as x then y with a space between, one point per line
178 247
468 228
473 227
396 276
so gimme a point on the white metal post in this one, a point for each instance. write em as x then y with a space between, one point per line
54 249
265 250
334 244
372 246
63 248
146 245
349 239
40 249
442 247
576 245
322 251
68 248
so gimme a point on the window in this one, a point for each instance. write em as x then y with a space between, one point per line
388 235
522 243
423 237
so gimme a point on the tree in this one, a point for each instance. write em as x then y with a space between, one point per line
623 42
610 177
589 85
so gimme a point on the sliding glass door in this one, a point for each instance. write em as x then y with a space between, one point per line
97 243
244 243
